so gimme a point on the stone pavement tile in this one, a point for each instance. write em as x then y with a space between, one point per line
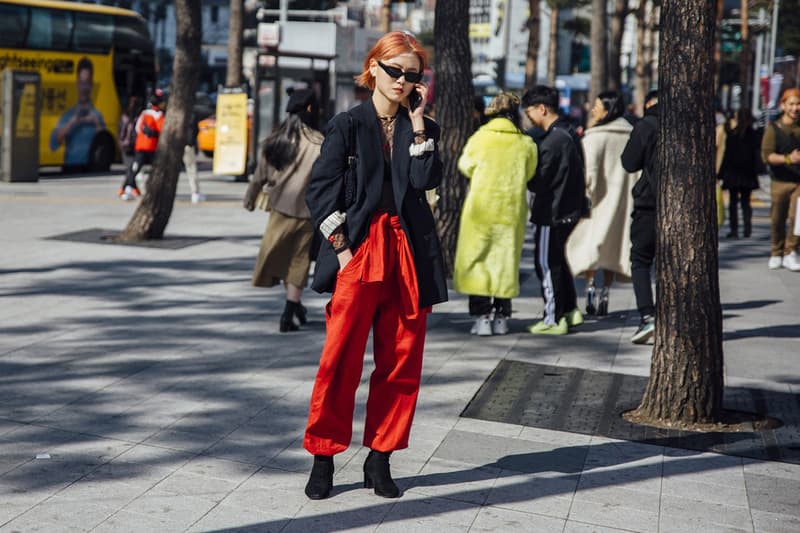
214 467
682 524
703 467
9 425
771 469
560 438
604 452
180 484
63 511
545 493
766 522
619 517
459 481
415 512
486 427
237 520
130 522
246 450
170 510
32 524
717 513
774 494
110 493
8 511
735 494
275 501
615 497
636 475
354 510
188 441
492 519
581 527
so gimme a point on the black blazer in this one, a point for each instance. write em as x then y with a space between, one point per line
411 176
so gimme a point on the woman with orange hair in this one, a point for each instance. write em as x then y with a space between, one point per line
381 258
780 149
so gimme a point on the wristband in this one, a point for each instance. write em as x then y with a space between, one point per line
787 159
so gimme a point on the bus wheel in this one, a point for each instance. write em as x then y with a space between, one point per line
101 154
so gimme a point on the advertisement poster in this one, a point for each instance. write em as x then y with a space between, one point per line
230 142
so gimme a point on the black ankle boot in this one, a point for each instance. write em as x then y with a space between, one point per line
377 475
300 312
287 318
320 482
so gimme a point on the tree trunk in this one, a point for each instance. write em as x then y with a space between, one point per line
599 52
152 214
718 43
615 45
386 16
552 47
651 39
641 82
532 56
745 67
453 72
686 380
233 76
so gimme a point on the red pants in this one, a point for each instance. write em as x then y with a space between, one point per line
376 289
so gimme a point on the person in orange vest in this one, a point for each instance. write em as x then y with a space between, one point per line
148 128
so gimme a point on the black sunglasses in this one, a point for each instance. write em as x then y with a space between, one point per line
394 72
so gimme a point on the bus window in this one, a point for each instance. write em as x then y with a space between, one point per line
131 35
93 32
12 20
50 29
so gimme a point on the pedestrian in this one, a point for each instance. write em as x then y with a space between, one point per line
380 256
284 166
498 159
602 241
126 133
148 129
741 162
559 202
780 149
640 155
190 159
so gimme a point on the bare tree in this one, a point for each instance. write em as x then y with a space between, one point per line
533 24
686 373
646 14
617 27
454 87
152 214
599 51
552 45
233 75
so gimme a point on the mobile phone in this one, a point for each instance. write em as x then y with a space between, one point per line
414 99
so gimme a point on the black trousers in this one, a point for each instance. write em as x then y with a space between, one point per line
483 305
558 286
643 253
740 196
140 159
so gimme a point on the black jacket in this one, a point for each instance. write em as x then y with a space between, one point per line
411 176
741 162
640 154
559 184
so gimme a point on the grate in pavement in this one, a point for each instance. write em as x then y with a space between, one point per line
106 236
591 402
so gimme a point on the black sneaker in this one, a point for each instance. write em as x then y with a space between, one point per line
644 333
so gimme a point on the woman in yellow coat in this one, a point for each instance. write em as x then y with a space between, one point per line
498 159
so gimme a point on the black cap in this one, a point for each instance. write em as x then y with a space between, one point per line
299 100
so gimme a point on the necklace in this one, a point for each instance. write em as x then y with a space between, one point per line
387 126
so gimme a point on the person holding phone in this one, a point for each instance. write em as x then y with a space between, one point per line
381 258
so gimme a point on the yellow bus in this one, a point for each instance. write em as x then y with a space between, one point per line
91 60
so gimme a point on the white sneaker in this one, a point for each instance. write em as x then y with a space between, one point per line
775 262
499 324
792 262
125 196
198 197
482 327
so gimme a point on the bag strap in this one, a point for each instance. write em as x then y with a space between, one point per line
351 147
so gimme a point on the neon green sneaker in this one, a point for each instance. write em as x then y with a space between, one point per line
540 328
574 318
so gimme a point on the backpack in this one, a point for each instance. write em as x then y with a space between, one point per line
127 136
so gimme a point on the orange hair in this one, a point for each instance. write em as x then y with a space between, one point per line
391 45
789 93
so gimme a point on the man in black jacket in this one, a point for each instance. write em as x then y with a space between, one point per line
559 202
640 154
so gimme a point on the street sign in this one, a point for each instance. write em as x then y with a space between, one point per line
230 141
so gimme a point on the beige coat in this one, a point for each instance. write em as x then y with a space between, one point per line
287 188
603 240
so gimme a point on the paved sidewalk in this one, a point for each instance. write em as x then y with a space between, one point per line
147 389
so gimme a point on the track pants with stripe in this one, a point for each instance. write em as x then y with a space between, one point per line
558 286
